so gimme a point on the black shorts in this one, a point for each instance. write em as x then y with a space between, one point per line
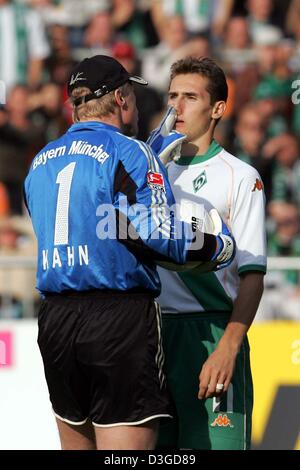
103 357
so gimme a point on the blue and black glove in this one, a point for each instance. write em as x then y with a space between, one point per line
164 141
226 252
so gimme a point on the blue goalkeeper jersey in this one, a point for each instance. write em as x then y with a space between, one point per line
85 193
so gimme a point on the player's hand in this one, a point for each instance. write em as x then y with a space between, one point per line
164 141
226 244
216 372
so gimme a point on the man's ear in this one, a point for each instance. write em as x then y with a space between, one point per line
218 109
120 100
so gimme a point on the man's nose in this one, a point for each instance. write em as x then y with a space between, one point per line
177 106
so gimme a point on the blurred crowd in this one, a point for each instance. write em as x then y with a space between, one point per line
257 42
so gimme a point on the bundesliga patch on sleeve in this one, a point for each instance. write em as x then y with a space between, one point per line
155 181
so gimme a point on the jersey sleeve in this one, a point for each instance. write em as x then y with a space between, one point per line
248 224
145 207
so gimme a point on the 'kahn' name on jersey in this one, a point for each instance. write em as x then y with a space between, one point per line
69 255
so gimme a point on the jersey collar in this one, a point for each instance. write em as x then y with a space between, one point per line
212 151
92 126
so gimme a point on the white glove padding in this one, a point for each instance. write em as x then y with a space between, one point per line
164 141
218 227
209 222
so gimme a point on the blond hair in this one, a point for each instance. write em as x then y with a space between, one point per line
99 107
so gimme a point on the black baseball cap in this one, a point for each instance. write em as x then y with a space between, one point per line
101 74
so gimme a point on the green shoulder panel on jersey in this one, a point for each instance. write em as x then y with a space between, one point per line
252 268
212 151
207 289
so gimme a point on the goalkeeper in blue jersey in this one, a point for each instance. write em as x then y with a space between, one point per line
100 204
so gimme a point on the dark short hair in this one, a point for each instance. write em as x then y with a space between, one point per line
206 67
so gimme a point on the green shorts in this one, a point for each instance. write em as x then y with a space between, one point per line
188 340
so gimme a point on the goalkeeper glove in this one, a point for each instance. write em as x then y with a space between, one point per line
226 250
164 141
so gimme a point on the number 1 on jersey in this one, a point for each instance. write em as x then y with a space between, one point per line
64 179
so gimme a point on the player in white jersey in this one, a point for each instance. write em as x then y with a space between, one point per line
206 316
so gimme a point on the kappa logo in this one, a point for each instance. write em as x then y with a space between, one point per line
76 78
200 181
222 421
257 185
155 180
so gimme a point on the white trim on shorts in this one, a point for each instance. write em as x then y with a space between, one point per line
134 423
159 357
74 423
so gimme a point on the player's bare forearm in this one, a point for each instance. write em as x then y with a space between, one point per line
244 310
219 367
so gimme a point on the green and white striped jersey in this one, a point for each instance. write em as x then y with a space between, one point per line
22 38
220 180
198 14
